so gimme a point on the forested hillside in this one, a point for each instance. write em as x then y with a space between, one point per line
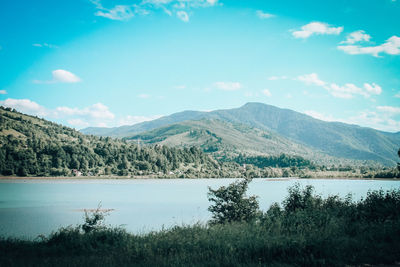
33 146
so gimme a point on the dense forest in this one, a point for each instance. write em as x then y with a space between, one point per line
30 146
33 146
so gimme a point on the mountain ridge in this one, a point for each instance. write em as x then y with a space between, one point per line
336 139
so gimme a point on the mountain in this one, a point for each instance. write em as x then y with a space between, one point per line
331 138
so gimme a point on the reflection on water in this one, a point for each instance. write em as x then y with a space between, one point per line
32 207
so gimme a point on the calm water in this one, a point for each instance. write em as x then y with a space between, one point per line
29 208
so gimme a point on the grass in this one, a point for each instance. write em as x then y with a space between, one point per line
305 230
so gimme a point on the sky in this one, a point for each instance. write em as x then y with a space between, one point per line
109 63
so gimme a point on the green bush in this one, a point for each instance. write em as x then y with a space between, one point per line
231 203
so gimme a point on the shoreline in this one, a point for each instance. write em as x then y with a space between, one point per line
86 178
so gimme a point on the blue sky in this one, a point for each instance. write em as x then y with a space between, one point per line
110 63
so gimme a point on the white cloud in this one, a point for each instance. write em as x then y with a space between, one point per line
397 95
78 123
275 78
311 79
118 12
45 45
130 120
228 86
347 90
212 2
319 116
180 87
357 36
263 15
378 119
316 28
3 92
95 115
144 96
266 92
25 106
61 76
390 47
65 76
389 109
95 111
182 15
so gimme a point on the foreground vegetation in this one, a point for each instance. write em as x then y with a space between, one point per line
305 230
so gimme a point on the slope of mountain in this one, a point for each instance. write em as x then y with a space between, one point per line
36 147
224 139
331 138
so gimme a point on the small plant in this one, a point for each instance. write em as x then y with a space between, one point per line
231 203
94 219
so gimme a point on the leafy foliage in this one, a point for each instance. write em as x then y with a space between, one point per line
231 203
275 161
94 219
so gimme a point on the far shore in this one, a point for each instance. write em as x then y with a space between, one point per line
168 178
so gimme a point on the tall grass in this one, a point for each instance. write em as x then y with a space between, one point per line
304 230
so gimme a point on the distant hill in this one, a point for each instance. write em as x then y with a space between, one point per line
30 146
331 138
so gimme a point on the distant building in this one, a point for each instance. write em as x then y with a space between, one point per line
76 172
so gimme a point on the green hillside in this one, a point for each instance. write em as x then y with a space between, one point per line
228 140
338 140
30 146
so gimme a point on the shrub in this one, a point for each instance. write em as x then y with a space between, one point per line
231 203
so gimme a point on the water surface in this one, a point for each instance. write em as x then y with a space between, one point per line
32 207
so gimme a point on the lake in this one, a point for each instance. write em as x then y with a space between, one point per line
32 207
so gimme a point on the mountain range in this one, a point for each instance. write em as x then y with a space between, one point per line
257 128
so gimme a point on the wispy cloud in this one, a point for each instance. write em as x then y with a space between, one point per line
319 116
275 78
3 92
78 123
311 79
182 15
228 86
397 95
61 76
95 111
119 12
130 120
266 92
357 36
264 15
389 109
144 96
45 45
126 12
390 47
316 28
378 119
180 87
347 90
